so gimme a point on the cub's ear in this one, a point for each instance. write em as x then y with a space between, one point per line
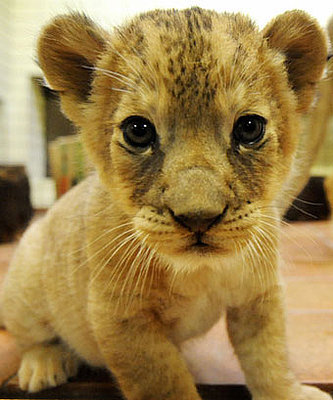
303 42
68 49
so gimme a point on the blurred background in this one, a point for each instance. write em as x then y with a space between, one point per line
36 140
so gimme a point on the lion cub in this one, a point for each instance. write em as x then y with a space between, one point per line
193 120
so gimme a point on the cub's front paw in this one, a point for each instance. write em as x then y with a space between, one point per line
312 393
45 366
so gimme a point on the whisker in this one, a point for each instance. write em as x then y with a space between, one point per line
258 267
96 253
115 75
106 232
268 250
303 211
154 267
122 244
120 90
129 64
118 274
252 258
132 270
135 265
143 249
147 268
291 238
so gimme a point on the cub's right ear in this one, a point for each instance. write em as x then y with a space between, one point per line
68 49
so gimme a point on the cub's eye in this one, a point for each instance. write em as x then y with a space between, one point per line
138 132
249 129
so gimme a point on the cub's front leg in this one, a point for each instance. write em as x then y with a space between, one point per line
146 364
257 332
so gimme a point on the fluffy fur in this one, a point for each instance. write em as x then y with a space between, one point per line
115 273
328 185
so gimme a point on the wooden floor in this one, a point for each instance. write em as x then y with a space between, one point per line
307 253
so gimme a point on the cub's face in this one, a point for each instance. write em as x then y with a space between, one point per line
192 119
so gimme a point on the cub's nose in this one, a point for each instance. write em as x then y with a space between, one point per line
199 222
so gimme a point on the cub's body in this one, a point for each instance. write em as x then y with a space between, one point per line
56 284
193 121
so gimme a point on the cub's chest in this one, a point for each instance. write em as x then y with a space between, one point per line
186 316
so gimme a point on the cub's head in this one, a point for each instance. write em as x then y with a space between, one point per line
191 118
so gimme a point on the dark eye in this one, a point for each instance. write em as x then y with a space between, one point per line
138 132
249 129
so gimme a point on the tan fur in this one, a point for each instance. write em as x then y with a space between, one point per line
328 185
111 275
325 113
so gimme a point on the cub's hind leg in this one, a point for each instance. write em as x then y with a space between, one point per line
46 365
44 362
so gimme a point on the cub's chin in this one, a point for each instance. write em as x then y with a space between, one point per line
190 253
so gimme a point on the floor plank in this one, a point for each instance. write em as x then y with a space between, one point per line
97 385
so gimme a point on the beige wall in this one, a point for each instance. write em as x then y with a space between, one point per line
5 36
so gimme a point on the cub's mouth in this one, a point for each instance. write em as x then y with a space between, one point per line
200 244
198 229
170 235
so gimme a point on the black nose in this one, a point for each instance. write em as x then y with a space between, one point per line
199 222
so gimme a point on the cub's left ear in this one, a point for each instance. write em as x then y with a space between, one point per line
303 42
